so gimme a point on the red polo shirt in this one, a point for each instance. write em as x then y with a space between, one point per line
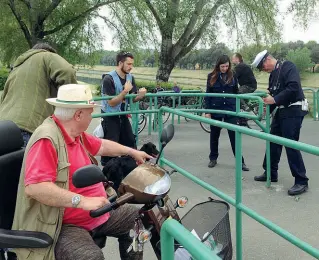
41 166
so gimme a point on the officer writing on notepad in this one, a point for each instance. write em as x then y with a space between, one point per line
285 95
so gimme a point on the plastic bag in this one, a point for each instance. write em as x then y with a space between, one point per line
98 131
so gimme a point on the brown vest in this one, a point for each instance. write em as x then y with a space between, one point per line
30 214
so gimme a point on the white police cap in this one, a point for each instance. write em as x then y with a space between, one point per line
259 58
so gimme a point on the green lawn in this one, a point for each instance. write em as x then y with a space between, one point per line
193 78
197 78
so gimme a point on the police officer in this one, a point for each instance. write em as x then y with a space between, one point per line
286 94
221 80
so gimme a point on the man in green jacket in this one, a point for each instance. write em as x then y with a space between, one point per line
37 74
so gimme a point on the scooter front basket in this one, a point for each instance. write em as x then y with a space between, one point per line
210 221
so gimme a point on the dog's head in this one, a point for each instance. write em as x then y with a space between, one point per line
150 149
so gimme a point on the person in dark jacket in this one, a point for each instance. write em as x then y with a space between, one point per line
246 80
285 94
221 80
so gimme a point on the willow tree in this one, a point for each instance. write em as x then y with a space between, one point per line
177 26
68 24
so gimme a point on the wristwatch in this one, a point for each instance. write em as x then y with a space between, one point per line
76 199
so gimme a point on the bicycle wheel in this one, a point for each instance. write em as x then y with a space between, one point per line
142 121
205 127
192 102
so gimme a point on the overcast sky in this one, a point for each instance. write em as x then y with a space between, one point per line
291 32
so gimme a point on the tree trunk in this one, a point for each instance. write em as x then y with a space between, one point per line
166 60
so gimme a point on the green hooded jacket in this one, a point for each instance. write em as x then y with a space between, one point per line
36 76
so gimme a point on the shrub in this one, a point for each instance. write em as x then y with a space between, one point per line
3 77
149 85
301 58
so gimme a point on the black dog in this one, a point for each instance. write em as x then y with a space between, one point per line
118 168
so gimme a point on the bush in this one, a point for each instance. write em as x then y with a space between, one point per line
301 58
3 77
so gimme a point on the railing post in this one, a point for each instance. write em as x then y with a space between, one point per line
173 115
268 184
155 120
167 245
150 117
317 98
238 152
314 104
160 128
179 104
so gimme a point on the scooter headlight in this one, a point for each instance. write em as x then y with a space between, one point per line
144 236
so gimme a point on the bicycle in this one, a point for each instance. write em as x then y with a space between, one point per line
252 107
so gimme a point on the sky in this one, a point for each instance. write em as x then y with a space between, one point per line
291 31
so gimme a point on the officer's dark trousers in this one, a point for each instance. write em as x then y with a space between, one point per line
288 127
117 129
214 137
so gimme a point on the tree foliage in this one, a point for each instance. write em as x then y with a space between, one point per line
301 58
67 24
175 27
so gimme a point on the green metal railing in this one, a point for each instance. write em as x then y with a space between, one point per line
170 230
314 101
237 202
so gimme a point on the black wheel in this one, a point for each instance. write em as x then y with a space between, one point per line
191 102
204 126
142 121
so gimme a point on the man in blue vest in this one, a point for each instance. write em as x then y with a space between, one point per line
287 96
119 83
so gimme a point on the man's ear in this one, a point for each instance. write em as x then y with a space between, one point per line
78 115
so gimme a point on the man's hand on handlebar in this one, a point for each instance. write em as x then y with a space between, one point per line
93 203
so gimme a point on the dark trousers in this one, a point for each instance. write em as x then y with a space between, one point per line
214 137
117 129
287 128
75 243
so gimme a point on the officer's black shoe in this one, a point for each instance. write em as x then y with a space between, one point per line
245 168
297 189
212 164
263 177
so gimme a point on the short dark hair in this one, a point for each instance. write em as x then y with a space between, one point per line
238 55
44 46
121 56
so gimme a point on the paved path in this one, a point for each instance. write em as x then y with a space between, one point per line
189 149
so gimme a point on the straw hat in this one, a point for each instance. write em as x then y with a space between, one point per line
73 96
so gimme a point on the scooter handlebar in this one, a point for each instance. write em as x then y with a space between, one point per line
114 205
105 209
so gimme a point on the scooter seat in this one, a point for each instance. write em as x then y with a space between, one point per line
24 239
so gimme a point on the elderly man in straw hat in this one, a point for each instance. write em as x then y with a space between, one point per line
48 202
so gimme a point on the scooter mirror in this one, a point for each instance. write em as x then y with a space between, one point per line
88 175
167 134
181 202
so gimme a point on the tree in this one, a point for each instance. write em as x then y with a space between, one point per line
68 24
177 26
301 58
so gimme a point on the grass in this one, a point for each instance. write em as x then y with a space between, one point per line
190 79
193 78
